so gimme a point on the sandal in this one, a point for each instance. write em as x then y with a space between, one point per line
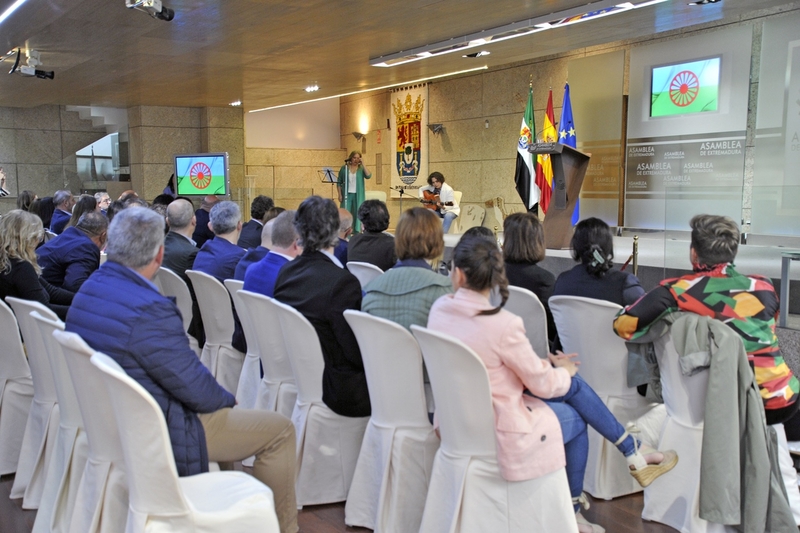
641 471
579 518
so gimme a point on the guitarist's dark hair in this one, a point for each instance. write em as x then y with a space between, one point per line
438 175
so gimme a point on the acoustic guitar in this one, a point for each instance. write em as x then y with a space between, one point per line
431 200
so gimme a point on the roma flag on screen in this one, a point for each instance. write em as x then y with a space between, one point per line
685 88
544 167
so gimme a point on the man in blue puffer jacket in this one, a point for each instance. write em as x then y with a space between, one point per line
119 311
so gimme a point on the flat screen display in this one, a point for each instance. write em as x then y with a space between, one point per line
201 174
685 88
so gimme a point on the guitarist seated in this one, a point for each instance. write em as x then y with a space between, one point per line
439 196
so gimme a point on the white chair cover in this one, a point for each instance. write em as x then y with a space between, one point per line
250 378
160 501
39 439
365 272
584 327
394 467
327 443
101 504
277 390
171 284
526 305
222 360
467 493
72 448
674 500
16 391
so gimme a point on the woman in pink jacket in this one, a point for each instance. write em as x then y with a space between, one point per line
541 406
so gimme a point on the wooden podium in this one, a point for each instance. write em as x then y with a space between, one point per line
569 168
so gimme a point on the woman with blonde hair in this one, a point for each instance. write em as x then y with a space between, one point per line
20 232
350 186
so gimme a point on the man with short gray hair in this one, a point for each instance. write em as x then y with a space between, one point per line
69 259
103 200
143 332
64 202
219 256
179 248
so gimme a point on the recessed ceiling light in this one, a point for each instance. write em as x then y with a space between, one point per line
312 88
478 54
237 103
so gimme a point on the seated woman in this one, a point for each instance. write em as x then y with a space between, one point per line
406 293
374 245
20 232
593 245
710 291
523 248
534 436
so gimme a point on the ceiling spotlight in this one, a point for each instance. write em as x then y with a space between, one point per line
30 68
312 88
237 103
478 54
154 8
703 2
358 135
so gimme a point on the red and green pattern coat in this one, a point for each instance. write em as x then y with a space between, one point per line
747 304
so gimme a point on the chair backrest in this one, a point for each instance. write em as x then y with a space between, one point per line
684 396
13 363
248 326
526 305
215 307
471 216
149 464
305 353
98 419
268 336
44 389
375 195
461 391
365 272
393 365
70 411
173 285
585 327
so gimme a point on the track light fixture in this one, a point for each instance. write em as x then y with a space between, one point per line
29 69
358 135
436 128
154 8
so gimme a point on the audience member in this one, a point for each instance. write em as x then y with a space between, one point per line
128 195
44 209
84 204
20 232
113 208
143 332
179 248
63 202
317 285
3 190
103 199
261 276
218 257
69 259
593 245
202 232
534 436
374 245
254 255
25 199
163 199
251 231
523 248
345 230
442 199
406 293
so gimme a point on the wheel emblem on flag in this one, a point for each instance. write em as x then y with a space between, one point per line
200 175
683 88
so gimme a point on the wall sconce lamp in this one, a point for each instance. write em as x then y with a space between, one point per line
436 128
358 135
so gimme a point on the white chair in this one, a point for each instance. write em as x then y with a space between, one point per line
467 493
250 378
277 390
526 305
160 501
327 443
101 504
365 272
584 327
223 360
72 448
171 284
394 467
674 500
39 439
16 391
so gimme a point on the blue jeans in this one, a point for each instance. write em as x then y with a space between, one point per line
448 219
581 406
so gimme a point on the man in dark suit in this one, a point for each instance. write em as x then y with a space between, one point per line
179 248
251 232
202 232
69 259
345 230
261 276
254 255
64 202
317 285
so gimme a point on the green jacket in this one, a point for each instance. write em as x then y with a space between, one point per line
344 187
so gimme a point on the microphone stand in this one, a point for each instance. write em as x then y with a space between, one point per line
402 192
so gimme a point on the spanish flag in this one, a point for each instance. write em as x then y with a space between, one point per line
544 167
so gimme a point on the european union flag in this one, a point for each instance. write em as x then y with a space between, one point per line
567 135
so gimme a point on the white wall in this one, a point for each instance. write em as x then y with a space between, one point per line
311 126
